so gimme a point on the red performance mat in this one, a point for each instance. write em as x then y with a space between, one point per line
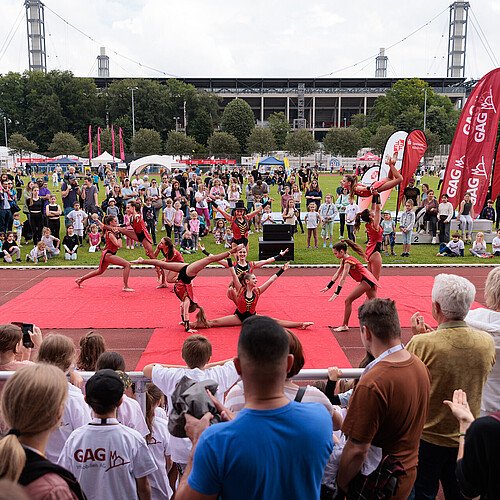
59 303
321 349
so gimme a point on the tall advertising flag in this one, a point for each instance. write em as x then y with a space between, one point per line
120 140
414 150
113 142
495 185
99 141
480 151
90 142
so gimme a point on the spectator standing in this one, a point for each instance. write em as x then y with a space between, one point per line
466 214
69 194
149 216
297 198
411 192
456 356
389 406
90 196
445 214
431 207
314 194
341 204
5 212
53 214
78 217
327 212
35 207
406 224
26 197
350 218
488 212
312 220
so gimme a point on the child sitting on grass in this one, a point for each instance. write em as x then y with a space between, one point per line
39 252
51 243
187 243
70 244
495 244
94 238
10 248
454 248
479 247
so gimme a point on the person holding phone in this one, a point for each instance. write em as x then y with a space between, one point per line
17 342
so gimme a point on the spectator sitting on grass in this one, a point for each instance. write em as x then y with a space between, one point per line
70 244
187 243
10 248
454 248
479 247
51 243
39 252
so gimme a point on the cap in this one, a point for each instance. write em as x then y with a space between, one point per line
111 199
72 177
105 386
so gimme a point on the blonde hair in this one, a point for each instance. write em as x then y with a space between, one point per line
32 403
480 235
492 289
57 350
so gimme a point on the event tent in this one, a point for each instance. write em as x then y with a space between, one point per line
104 158
166 161
271 161
369 156
63 161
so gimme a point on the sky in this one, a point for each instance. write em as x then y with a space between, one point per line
258 38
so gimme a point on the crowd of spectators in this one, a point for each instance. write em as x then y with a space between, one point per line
420 417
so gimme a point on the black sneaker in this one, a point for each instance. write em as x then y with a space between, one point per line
18 260
404 254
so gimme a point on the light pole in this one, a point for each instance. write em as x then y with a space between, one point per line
345 122
177 118
5 129
425 107
133 110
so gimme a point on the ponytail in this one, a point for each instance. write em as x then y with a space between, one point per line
363 216
353 180
342 245
243 277
153 398
13 458
107 219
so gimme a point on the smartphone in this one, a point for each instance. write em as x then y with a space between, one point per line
26 328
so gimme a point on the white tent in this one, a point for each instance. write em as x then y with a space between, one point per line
104 158
167 161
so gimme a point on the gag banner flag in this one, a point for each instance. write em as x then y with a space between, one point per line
120 139
395 143
99 141
90 142
113 142
415 148
495 185
480 150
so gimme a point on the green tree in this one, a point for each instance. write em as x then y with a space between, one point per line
178 143
301 142
366 137
19 143
359 121
280 128
343 141
380 137
64 143
200 126
433 142
261 140
409 119
238 120
146 142
223 144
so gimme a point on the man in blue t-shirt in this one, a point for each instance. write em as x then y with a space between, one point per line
274 448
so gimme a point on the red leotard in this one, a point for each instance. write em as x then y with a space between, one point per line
357 271
375 237
246 305
240 229
365 191
110 247
139 226
177 257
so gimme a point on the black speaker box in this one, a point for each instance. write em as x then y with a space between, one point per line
269 249
277 232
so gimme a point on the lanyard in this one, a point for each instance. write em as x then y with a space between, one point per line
389 351
104 421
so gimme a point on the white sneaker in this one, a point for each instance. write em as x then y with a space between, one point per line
434 240
422 231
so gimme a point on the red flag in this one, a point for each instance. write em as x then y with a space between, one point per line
480 150
99 141
90 142
113 142
495 186
415 148
120 139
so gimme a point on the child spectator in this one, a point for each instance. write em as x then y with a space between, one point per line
2 239
228 238
94 238
10 249
454 248
168 216
92 346
187 243
479 247
70 243
78 220
149 216
258 216
327 211
221 203
129 242
288 214
112 209
267 217
194 226
17 227
51 243
93 220
108 459
406 224
39 252
389 227
350 218
218 231
488 212
312 220
178 218
495 244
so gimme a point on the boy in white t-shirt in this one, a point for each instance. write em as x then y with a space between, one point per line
350 218
495 245
78 219
109 460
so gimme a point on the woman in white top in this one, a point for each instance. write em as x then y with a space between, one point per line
201 203
233 194
297 198
235 399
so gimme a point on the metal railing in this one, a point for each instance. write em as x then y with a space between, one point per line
140 380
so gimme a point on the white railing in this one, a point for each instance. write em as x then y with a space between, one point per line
140 380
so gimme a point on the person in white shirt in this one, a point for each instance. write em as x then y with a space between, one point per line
267 216
495 245
445 214
350 218
406 224
327 211
59 350
196 352
129 413
78 219
109 460
223 204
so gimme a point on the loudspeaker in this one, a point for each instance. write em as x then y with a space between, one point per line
269 249
277 232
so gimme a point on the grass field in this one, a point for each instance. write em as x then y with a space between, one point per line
423 254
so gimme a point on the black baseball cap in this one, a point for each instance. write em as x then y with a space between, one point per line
104 387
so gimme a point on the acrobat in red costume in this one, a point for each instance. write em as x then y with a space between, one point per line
171 254
247 297
394 178
108 256
367 283
183 287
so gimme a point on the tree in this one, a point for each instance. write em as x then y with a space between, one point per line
223 144
343 141
409 119
238 120
366 137
359 121
146 142
19 143
380 137
261 140
64 143
178 143
280 128
301 142
200 126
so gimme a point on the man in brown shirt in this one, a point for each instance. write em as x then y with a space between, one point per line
389 406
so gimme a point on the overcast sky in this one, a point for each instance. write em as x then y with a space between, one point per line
258 38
